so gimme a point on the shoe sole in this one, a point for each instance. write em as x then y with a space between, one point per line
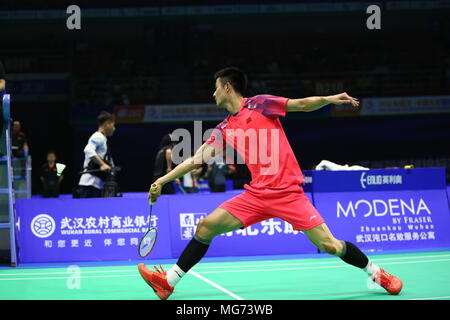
396 292
391 291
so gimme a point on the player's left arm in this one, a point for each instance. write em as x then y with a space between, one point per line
314 103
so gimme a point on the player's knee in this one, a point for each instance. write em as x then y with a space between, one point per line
204 229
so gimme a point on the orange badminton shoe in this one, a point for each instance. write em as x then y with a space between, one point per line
390 283
157 280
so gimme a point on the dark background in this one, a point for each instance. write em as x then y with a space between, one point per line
171 60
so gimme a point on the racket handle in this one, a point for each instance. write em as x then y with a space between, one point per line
153 188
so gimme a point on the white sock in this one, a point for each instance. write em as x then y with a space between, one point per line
371 268
174 275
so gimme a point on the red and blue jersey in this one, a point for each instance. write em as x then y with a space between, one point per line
257 135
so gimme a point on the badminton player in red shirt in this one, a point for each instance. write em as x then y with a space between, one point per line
254 130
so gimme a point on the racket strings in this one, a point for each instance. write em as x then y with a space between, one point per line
149 239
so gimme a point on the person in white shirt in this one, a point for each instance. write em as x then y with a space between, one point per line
90 185
190 184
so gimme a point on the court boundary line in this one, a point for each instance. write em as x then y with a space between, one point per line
199 276
322 267
72 276
62 272
432 298
227 267
323 262
235 296
230 271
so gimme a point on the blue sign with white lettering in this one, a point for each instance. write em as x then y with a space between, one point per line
58 230
376 217
270 237
51 230
378 180
375 209
307 185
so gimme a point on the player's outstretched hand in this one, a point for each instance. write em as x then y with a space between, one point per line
343 98
154 192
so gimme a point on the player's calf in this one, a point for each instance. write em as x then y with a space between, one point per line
194 251
352 255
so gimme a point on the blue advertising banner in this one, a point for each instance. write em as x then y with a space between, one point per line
378 180
365 207
448 195
51 230
270 237
203 186
307 185
59 230
375 209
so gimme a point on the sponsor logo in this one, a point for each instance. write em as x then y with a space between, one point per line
379 180
129 113
43 226
188 224
379 207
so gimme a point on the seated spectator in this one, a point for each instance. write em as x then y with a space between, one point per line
19 142
49 178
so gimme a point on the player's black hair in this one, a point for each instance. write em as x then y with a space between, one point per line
235 76
103 117
51 151
166 141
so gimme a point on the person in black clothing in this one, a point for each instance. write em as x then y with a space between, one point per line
50 179
19 142
164 164
217 172
241 175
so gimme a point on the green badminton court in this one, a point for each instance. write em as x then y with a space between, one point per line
425 276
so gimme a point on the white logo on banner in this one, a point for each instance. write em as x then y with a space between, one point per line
382 207
43 226
188 223
378 180
402 220
270 227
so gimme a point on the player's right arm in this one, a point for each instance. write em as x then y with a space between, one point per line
202 155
